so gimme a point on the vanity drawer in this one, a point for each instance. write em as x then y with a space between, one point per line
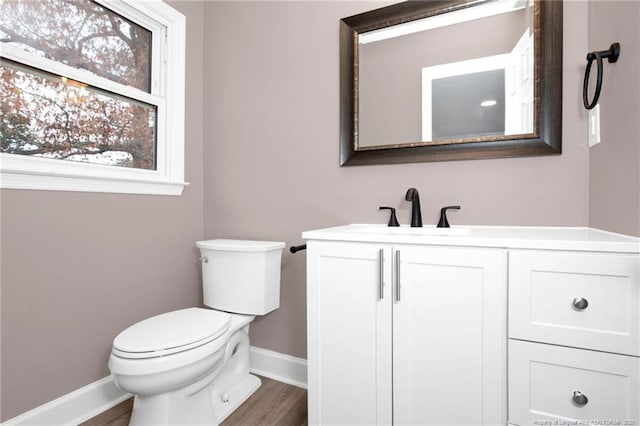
585 300
544 381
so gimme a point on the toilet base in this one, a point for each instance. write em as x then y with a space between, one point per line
156 408
234 384
209 400
190 405
225 404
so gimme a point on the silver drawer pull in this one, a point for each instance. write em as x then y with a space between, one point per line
203 259
579 398
580 304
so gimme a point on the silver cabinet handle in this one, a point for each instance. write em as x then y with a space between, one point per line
579 398
203 259
381 272
580 304
397 275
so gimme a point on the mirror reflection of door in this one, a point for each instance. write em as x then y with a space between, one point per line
519 89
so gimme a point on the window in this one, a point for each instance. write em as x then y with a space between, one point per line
92 96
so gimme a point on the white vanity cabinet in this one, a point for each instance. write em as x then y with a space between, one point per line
409 326
406 334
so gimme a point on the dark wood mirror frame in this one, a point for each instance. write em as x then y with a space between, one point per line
547 136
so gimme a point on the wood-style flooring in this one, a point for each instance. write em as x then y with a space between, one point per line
273 404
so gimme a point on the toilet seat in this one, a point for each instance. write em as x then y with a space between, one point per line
171 333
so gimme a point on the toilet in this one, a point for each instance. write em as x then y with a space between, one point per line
191 366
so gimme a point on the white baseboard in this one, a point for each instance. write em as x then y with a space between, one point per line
75 407
281 367
91 400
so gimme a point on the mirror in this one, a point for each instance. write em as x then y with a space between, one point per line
451 80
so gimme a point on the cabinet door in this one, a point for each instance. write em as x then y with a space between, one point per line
349 333
449 328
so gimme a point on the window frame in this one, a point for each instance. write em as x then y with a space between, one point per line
168 29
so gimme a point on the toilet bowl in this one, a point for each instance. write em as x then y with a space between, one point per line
191 366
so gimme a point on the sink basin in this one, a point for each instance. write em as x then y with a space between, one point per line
429 230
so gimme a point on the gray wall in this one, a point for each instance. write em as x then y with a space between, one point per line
614 176
77 268
271 148
262 159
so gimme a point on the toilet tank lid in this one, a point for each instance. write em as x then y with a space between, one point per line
239 245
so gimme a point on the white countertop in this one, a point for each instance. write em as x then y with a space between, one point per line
516 237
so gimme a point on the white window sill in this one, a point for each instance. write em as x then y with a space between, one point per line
10 180
58 175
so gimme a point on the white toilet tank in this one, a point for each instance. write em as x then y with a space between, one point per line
241 276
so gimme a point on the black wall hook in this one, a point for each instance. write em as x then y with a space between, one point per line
612 56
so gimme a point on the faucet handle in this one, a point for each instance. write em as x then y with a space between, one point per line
393 221
443 222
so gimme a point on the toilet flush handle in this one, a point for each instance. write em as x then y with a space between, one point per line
203 259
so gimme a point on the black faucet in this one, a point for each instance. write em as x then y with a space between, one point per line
416 214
